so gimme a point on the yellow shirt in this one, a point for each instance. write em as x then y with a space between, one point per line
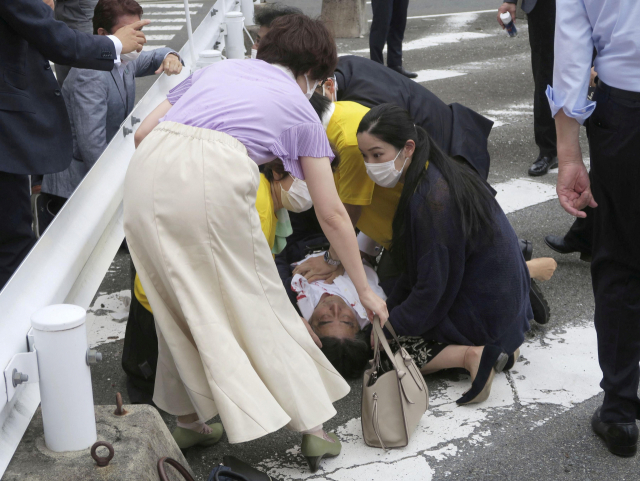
352 182
268 222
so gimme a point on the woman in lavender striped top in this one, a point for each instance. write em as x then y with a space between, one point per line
230 342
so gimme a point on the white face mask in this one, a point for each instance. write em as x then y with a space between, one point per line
297 198
385 174
309 92
125 58
254 53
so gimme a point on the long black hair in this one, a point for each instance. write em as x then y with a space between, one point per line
470 195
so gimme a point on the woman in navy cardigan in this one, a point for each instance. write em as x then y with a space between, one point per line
465 288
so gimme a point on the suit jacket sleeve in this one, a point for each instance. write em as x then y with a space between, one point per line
33 21
148 62
88 106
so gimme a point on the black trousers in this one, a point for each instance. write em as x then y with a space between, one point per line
387 27
16 236
140 351
614 141
580 234
542 23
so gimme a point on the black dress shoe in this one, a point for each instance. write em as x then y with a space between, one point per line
527 249
539 305
402 71
621 438
559 244
542 165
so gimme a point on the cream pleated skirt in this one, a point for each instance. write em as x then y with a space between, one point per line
230 342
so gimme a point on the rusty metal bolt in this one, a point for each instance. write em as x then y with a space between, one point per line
181 469
102 461
120 411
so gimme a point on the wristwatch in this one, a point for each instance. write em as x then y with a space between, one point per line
330 261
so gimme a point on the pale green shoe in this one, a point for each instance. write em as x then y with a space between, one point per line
185 438
315 448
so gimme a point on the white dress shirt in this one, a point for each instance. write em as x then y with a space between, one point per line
118 45
309 294
613 27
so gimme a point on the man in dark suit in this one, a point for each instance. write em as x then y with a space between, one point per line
458 130
541 15
387 27
35 136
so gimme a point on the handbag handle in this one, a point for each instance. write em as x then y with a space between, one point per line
378 335
380 338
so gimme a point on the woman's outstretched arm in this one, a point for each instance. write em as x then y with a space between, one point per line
150 122
337 226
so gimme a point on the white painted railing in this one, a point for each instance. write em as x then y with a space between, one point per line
70 260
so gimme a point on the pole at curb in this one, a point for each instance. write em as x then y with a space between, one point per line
60 338
235 35
190 35
247 10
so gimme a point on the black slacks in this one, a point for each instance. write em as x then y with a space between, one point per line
614 142
542 24
16 236
140 351
387 27
580 234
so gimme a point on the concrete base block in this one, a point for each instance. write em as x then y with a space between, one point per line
139 439
345 18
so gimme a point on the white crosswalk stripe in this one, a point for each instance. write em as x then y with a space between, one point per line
167 19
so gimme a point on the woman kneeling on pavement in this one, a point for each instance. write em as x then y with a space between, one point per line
465 288
230 342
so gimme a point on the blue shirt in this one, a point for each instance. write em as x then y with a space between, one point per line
613 28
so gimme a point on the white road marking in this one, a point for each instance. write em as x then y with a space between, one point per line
438 39
148 48
170 5
151 38
176 12
410 469
509 114
559 371
157 28
167 20
517 194
417 17
428 75
107 318
460 21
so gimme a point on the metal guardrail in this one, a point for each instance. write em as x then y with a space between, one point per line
70 260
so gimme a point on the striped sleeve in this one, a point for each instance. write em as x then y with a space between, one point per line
178 91
302 140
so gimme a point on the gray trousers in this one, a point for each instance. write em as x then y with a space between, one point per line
77 14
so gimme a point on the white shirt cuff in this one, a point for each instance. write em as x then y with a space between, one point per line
118 45
580 113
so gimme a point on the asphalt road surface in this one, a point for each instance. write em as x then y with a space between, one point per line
535 424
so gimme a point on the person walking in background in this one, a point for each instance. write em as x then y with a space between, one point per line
613 129
541 15
387 27
35 135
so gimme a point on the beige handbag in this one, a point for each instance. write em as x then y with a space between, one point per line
394 401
